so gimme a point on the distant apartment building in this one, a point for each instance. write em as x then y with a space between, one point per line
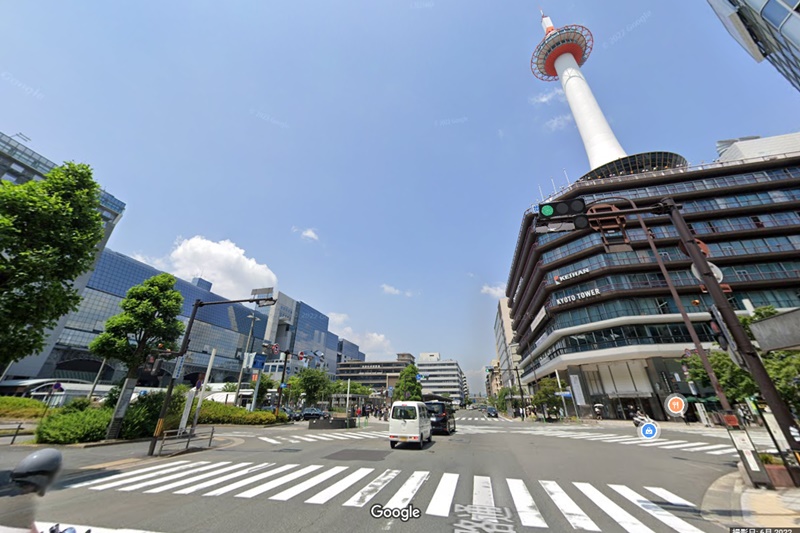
378 375
494 380
19 164
441 377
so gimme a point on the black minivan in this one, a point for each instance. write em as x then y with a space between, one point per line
442 416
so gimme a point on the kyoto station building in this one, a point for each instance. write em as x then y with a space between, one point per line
604 321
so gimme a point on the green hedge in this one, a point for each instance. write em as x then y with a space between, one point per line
219 413
15 407
77 426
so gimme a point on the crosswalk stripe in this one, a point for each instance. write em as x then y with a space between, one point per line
730 449
443 497
217 481
271 441
269 485
687 445
304 438
146 476
320 437
351 436
618 439
595 435
529 514
179 475
660 442
362 497
404 495
249 481
309 483
669 443
706 448
125 474
574 515
338 437
671 498
620 515
482 491
196 478
654 510
339 486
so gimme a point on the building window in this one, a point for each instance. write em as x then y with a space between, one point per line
775 13
663 306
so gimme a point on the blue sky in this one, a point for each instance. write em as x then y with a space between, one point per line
372 157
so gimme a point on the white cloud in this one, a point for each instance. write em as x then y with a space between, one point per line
308 233
388 289
549 96
224 264
560 122
498 291
375 345
409 294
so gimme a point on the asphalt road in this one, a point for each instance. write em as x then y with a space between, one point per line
491 475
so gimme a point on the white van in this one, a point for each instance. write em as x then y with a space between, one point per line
409 422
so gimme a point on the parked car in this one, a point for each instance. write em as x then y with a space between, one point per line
311 413
491 412
292 414
442 416
326 415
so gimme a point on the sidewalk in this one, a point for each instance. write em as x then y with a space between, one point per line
730 503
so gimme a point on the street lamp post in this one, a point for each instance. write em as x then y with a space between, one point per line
521 394
182 353
247 349
286 360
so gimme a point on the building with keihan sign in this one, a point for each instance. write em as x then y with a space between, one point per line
602 318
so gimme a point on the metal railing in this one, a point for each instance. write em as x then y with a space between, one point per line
177 437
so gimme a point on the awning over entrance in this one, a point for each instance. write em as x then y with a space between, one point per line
629 394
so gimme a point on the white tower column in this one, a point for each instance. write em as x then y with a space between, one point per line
600 142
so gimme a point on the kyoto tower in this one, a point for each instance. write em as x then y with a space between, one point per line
559 57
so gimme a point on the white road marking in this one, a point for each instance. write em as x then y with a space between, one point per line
442 499
654 510
574 515
529 514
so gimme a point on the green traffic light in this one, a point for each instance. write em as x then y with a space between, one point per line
547 210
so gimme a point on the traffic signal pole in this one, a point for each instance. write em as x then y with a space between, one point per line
287 359
782 414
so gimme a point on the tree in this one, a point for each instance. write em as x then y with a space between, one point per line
314 383
407 388
229 387
263 388
49 231
293 390
783 368
340 387
546 395
148 323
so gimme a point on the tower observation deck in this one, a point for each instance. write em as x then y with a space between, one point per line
560 56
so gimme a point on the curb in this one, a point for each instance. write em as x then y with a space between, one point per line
722 502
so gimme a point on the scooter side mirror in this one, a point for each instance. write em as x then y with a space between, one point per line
37 472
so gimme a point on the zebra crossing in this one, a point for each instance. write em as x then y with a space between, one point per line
726 449
327 436
483 418
579 505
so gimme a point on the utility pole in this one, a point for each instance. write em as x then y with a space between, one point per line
782 414
247 350
286 360
521 394
259 300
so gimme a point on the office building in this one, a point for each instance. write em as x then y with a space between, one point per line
603 320
507 356
19 164
220 327
441 377
347 351
378 375
766 29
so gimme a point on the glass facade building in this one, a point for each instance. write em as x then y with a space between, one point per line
766 29
347 351
224 327
608 322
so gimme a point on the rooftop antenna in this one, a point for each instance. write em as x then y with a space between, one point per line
566 177
22 136
555 191
541 193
